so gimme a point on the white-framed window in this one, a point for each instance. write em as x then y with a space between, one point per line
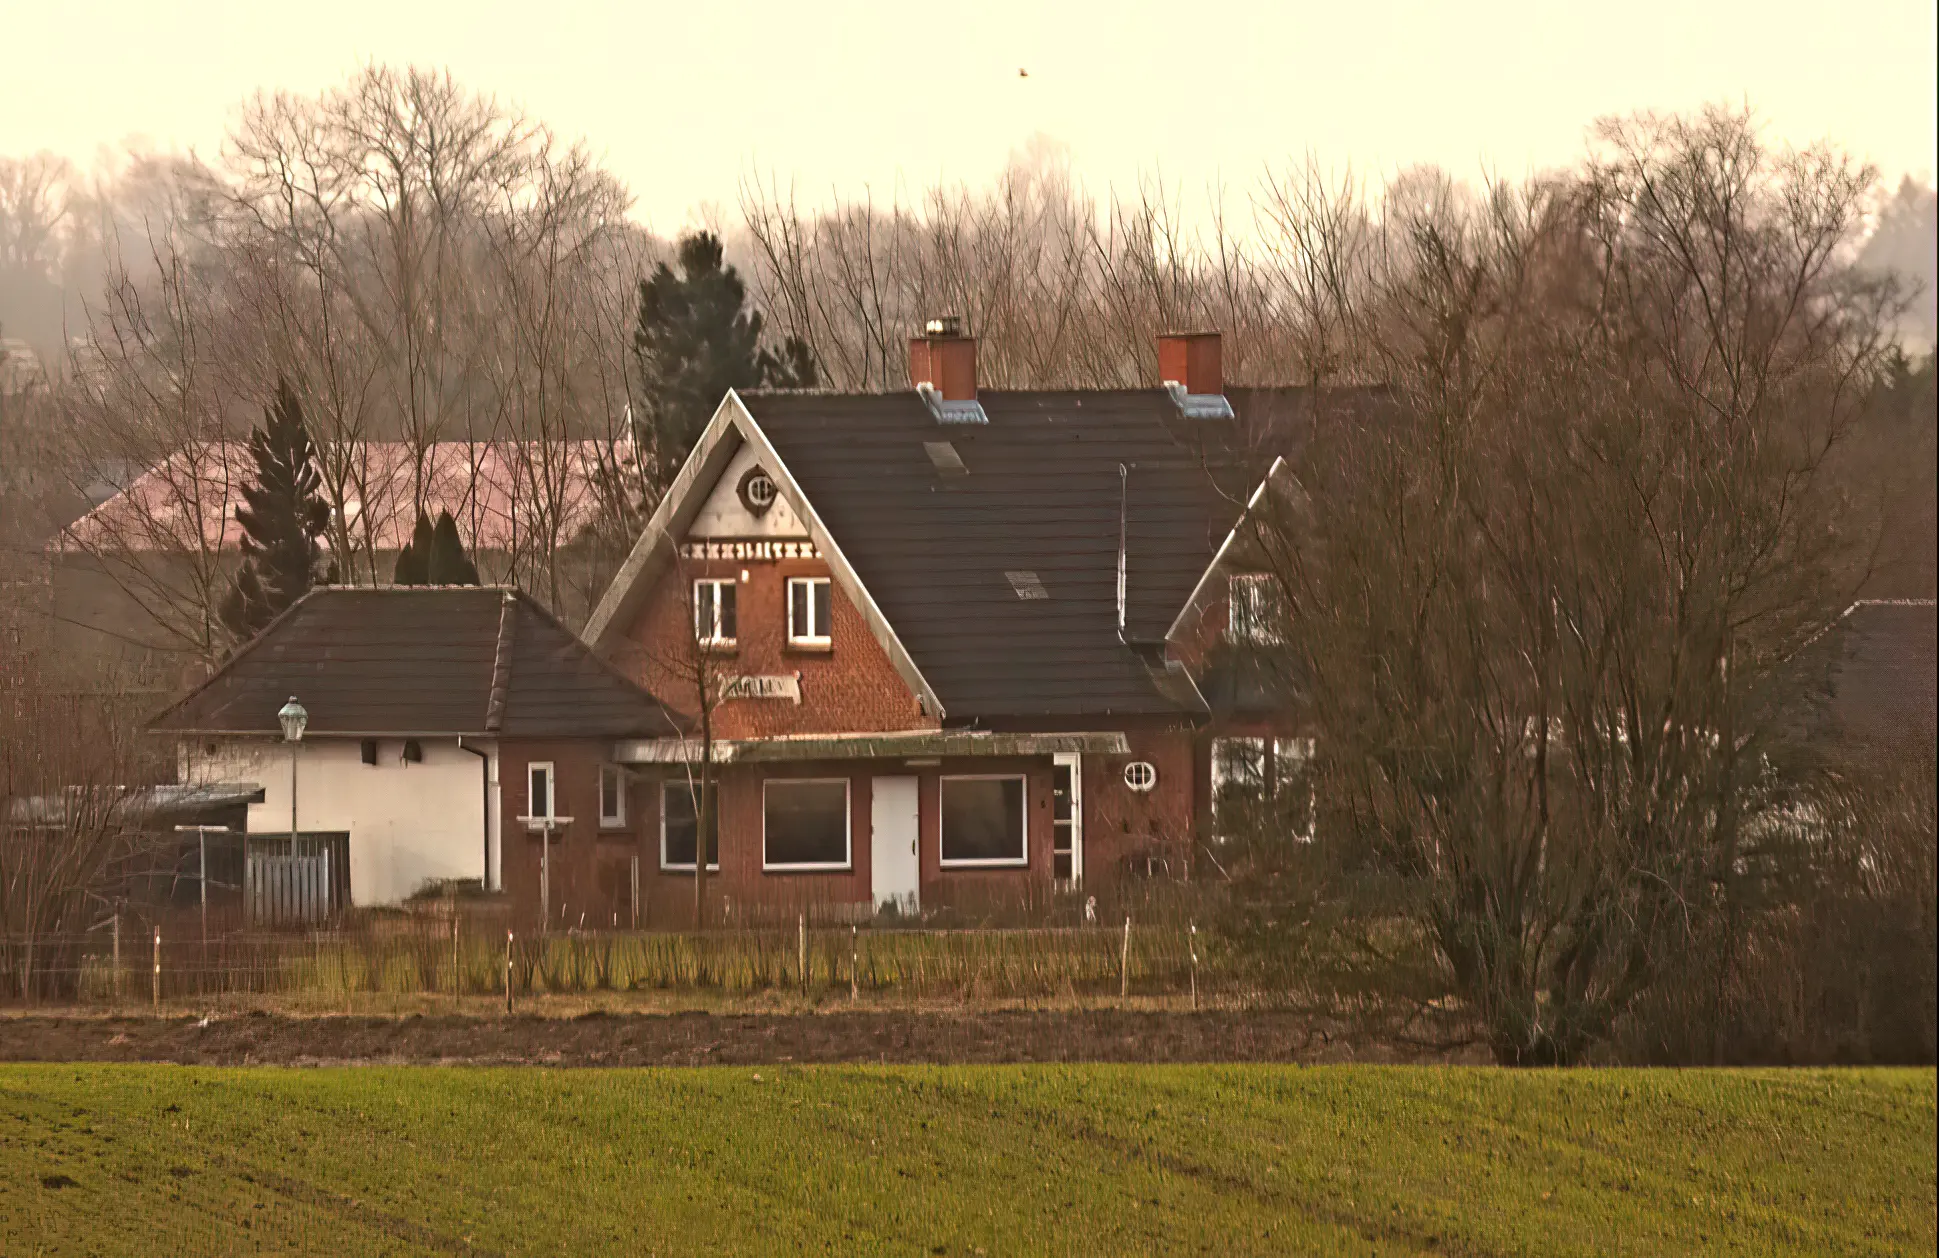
1238 769
1141 775
680 825
612 795
805 824
539 795
1254 611
808 611
714 606
984 823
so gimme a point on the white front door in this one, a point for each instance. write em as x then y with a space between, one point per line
893 868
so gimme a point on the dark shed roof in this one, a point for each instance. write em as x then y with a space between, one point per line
1885 671
1001 578
420 660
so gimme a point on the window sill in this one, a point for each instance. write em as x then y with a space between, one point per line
686 869
727 646
614 827
809 648
847 868
991 864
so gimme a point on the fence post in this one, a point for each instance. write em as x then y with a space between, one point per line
508 971
117 958
801 924
854 956
158 968
1193 942
1124 961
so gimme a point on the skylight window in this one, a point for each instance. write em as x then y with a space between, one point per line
943 455
1028 585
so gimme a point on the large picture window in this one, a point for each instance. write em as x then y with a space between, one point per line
808 611
983 821
805 824
680 826
713 612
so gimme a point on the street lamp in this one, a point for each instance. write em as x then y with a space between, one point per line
294 718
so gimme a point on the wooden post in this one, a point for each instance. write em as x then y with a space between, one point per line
636 891
802 962
508 971
1193 942
158 968
1124 961
854 955
117 958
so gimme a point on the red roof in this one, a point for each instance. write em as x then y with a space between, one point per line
493 489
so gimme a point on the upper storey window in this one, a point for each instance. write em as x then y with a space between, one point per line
714 612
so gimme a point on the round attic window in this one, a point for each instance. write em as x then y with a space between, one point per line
1141 775
757 491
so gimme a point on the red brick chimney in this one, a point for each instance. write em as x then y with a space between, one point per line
1191 359
943 358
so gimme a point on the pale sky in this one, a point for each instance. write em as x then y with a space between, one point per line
683 101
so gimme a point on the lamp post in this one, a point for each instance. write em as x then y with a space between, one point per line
294 718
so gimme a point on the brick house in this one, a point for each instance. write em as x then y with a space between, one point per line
958 636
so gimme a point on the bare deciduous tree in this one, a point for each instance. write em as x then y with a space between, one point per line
1543 611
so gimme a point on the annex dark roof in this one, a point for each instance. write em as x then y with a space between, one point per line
1001 578
479 661
1885 671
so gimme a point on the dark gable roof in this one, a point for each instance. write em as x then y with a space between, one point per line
396 660
1885 671
1039 496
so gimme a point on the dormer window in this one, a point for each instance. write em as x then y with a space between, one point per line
1255 613
713 612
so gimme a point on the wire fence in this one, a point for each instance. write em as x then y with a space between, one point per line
128 962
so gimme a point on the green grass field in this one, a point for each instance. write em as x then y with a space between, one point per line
963 1160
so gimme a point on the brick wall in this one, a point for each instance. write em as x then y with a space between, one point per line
848 687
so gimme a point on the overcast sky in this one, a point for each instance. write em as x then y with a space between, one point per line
684 100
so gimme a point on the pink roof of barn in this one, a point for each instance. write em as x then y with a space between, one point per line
497 491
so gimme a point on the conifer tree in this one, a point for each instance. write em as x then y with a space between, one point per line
414 561
693 341
283 519
448 563
435 555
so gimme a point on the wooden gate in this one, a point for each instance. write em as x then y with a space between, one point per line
284 890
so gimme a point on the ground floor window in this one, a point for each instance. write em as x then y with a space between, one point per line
983 821
805 824
1260 781
680 825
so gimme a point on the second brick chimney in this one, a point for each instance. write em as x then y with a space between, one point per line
945 360
1191 359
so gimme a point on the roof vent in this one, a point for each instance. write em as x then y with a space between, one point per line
1028 585
943 455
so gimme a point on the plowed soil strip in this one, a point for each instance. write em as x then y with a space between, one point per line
687 1039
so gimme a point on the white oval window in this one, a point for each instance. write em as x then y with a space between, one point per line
1141 775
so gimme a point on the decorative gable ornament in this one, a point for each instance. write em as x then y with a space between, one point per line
756 491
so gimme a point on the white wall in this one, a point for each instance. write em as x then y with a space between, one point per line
408 823
723 515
